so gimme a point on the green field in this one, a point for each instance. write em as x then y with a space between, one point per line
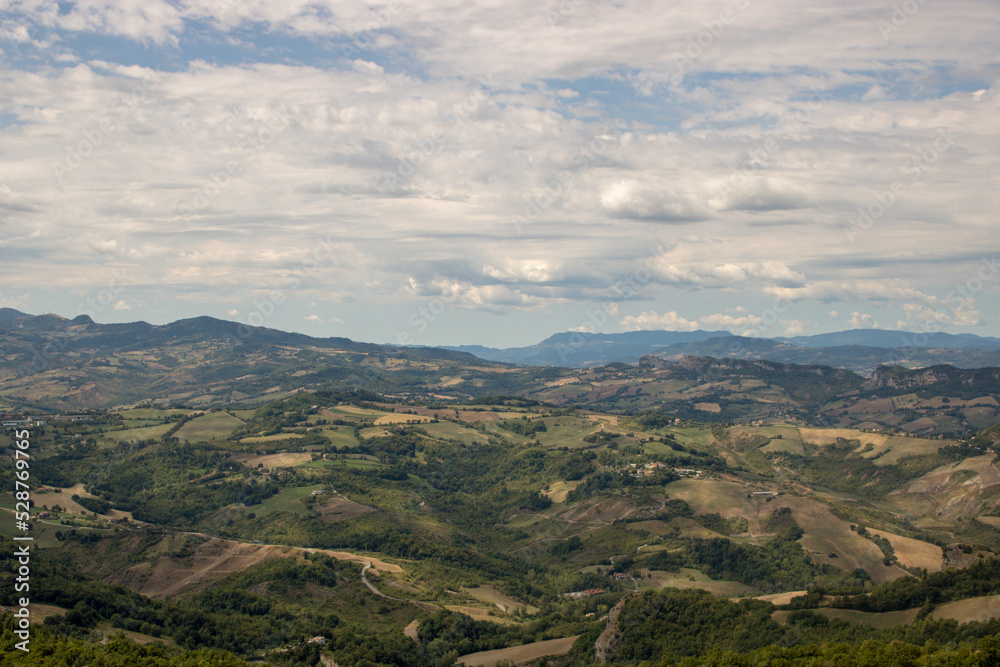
363 464
43 534
705 496
446 430
889 619
698 437
145 433
271 438
150 413
289 500
689 578
567 431
341 437
213 426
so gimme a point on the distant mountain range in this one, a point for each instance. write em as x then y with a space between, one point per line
860 350
581 350
51 363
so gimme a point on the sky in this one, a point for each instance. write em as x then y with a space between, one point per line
493 172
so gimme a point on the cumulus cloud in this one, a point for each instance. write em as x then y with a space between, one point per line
862 321
739 324
634 200
763 194
669 321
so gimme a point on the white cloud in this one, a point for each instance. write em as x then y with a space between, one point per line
762 194
740 325
669 321
630 199
418 172
862 321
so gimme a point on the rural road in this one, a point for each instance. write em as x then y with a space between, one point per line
374 590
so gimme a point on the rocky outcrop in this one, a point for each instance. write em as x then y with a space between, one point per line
606 646
956 380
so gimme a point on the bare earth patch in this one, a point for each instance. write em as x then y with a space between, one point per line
282 460
339 508
216 559
492 596
480 614
781 598
601 511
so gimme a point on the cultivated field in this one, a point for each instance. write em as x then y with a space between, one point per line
135 434
704 496
451 431
492 596
519 654
480 614
781 598
288 500
214 560
963 611
689 578
213 426
913 553
271 438
282 460
400 418
826 534
888 619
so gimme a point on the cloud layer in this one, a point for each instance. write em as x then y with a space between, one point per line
511 164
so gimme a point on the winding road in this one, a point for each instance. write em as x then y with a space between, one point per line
372 588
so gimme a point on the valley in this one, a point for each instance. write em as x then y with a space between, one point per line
432 522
